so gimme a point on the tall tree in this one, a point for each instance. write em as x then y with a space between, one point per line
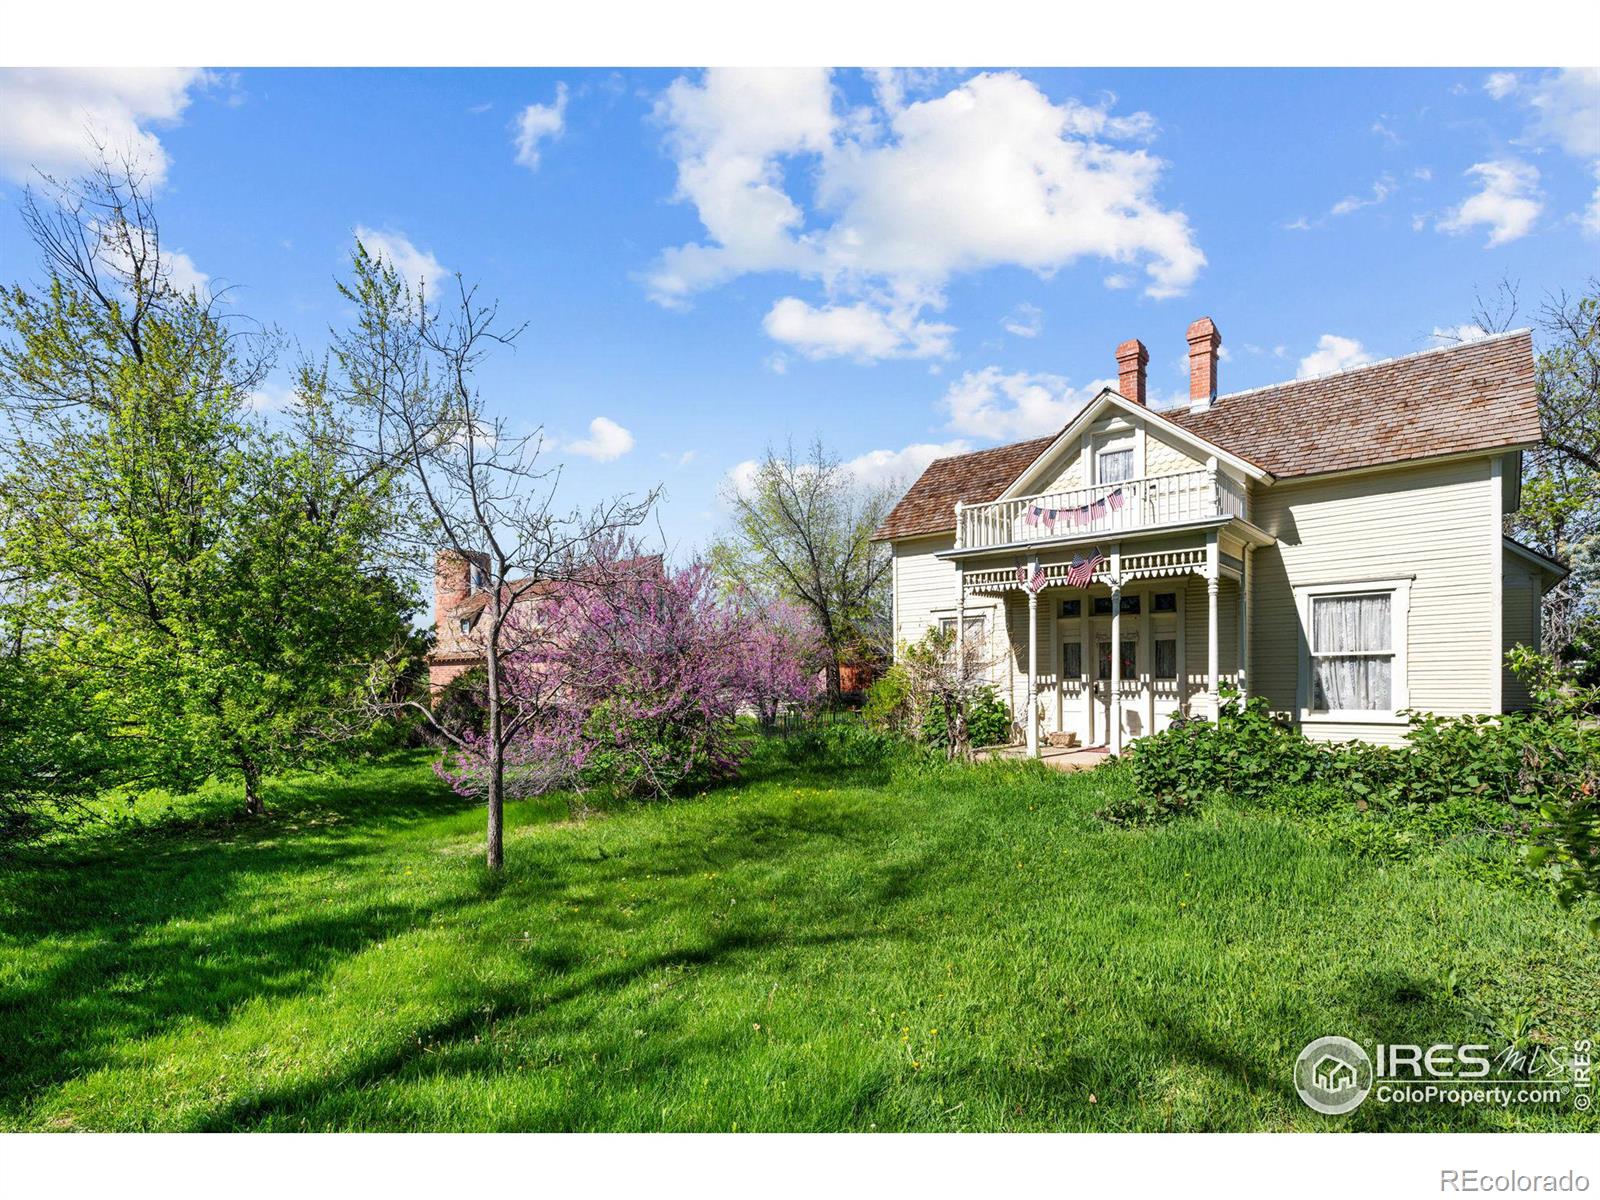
405 372
218 583
1560 512
802 529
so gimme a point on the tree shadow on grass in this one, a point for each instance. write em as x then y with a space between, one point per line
153 935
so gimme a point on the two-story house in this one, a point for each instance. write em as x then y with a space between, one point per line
1333 544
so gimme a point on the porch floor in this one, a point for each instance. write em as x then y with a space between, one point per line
1078 758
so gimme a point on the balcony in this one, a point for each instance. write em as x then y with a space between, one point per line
1111 508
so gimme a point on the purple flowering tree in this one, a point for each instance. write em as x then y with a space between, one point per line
635 682
784 657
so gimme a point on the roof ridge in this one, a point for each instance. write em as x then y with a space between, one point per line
1381 362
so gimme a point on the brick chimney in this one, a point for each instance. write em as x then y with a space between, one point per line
1131 360
453 581
1204 342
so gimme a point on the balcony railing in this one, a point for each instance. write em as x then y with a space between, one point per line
1109 508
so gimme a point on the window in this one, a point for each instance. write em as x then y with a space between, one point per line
466 624
1166 664
1164 602
1072 660
1102 606
1129 659
1355 650
1352 658
1071 608
976 626
1113 466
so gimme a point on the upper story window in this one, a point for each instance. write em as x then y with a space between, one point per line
466 624
1354 649
1114 464
1071 608
1164 602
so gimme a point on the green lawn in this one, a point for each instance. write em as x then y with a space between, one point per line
817 949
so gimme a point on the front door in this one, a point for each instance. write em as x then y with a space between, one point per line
1131 690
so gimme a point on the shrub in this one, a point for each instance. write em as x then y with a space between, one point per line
988 721
888 704
459 707
1531 778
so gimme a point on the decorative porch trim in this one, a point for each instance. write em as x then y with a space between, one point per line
994 580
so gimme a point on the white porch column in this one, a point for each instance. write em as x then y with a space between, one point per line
1213 667
1115 707
1246 583
1086 661
1147 652
961 602
1032 725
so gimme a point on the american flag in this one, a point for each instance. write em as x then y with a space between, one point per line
1050 518
1115 500
1033 515
1082 569
1037 581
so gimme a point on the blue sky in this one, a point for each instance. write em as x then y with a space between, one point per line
906 263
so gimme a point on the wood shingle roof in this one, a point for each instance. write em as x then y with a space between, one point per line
1476 396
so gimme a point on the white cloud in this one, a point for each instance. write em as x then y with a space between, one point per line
1452 334
1333 353
875 468
537 123
857 331
272 397
879 467
909 195
1382 189
414 266
1566 110
1025 320
51 119
606 441
1500 84
998 406
1508 203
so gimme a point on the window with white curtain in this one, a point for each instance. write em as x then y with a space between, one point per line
1355 649
1114 465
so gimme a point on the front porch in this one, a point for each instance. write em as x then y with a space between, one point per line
1109 642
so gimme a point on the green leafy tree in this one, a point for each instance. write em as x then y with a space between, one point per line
221 586
1560 511
802 530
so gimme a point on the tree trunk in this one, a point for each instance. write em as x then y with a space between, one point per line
254 805
835 691
494 852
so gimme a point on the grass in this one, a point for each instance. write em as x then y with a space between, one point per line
814 948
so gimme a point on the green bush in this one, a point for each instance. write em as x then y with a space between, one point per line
1522 779
887 708
460 705
988 721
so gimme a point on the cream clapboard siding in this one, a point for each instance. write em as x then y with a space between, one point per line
924 584
1520 599
925 591
1432 523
